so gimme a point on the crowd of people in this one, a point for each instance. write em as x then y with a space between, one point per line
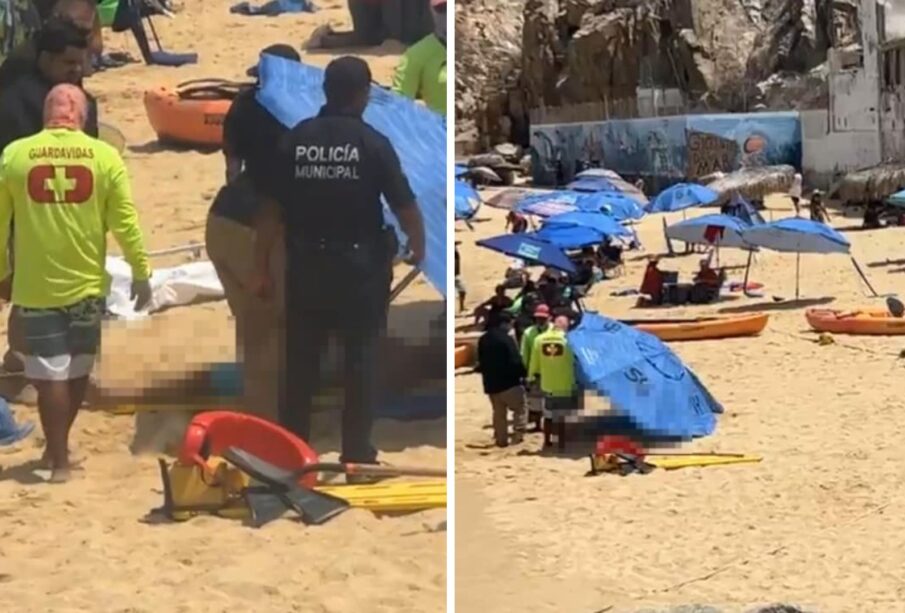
267 243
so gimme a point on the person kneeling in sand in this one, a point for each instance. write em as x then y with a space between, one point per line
65 189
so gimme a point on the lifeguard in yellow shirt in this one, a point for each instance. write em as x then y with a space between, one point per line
64 190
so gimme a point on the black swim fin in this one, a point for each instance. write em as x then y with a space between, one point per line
265 505
314 507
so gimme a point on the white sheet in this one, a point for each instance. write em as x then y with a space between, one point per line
176 286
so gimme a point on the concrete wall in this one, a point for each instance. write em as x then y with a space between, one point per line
826 155
855 91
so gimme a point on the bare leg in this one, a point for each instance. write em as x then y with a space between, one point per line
54 408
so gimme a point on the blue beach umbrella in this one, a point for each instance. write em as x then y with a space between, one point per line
604 224
719 230
647 385
569 237
593 184
796 235
467 201
530 249
557 202
682 196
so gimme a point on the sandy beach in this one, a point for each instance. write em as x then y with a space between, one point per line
814 524
84 546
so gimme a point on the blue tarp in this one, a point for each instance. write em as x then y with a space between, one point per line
291 92
645 382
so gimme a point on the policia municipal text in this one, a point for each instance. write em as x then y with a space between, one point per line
328 177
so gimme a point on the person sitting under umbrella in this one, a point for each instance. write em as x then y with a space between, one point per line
516 274
652 283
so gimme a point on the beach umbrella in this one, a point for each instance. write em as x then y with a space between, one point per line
719 230
682 196
649 389
569 237
796 235
600 222
557 202
584 181
467 201
897 199
529 248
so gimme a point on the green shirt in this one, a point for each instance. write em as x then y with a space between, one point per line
65 191
552 359
421 73
528 343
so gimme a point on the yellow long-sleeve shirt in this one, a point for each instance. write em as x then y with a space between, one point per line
65 190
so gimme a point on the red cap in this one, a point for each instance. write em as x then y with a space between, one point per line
542 311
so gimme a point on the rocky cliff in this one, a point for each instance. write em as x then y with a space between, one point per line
723 55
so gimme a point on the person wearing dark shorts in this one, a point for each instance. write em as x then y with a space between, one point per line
250 134
331 174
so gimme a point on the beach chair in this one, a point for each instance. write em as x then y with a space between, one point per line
131 15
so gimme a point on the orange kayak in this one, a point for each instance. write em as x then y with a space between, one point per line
192 113
465 355
877 322
703 328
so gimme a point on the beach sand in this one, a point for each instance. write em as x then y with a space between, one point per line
83 546
814 524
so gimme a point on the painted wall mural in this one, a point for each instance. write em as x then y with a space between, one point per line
665 150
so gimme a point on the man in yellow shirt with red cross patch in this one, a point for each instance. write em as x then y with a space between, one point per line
65 190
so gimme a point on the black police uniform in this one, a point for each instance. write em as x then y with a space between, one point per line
331 173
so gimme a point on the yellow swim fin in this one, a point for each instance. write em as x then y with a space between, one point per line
672 462
391 497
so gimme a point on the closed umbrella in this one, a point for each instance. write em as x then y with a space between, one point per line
529 248
797 235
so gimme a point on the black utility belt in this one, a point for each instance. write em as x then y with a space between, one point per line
377 241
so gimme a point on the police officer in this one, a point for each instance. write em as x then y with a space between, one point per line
329 175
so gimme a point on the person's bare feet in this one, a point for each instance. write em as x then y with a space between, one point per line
60 475
45 463
317 37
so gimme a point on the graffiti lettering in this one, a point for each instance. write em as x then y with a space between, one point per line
709 153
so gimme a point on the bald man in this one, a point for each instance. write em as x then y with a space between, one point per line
65 189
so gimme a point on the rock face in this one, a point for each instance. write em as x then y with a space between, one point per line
513 56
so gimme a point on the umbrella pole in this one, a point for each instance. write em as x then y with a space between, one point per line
797 273
747 270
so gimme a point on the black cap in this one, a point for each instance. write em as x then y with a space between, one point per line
345 77
280 50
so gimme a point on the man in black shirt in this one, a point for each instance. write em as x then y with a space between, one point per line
61 52
503 374
331 173
250 137
82 14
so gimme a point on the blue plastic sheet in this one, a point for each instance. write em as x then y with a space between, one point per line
645 382
291 92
